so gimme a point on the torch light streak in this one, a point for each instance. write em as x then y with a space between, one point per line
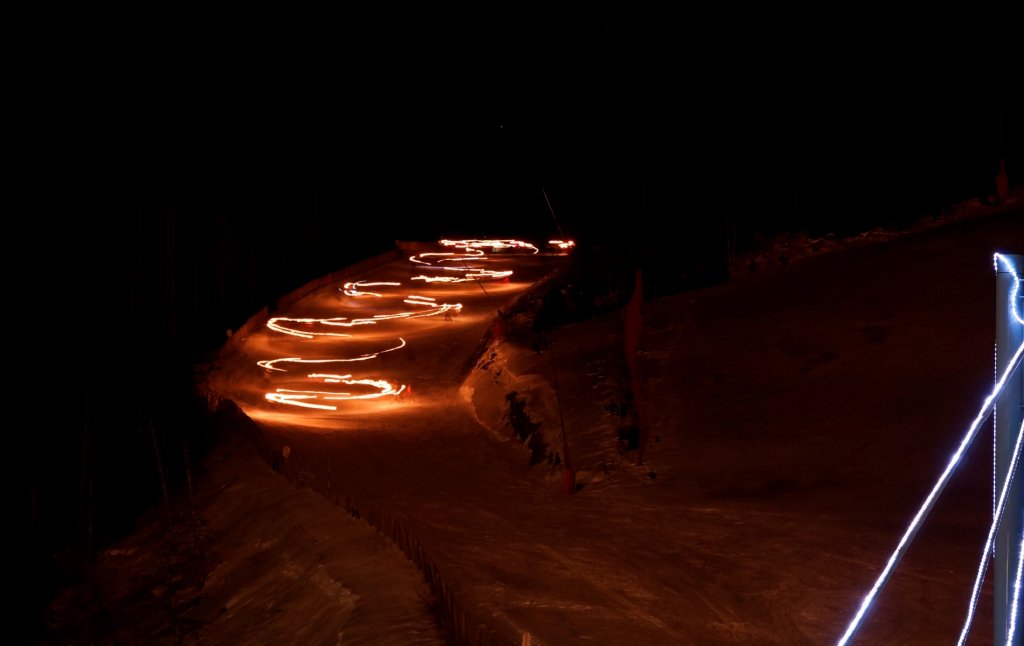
424 258
270 364
1012 630
493 245
352 289
441 279
463 267
481 274
469 273
480 270
1015 294
983 566
297 397
273 324
439 309
929 502
277 325
296 400
386 387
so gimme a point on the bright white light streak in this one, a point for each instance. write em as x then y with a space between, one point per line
1015 294
353 289
929 502
1012 630
447 256
271 364
466 270
493 245
983 566
295 397
279 323
275 324
480 274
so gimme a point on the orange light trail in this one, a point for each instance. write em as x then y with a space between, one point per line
426 258
458 266
480 274
279 323
352 289
271 364
294 397
493 245
470 273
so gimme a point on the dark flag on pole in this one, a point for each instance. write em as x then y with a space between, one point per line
632 334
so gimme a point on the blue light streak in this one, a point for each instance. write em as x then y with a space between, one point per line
1015 294
986 409
1011 632
983 566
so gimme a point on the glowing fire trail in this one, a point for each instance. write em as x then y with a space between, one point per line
279 323
352 289
493 245
271 364
474 251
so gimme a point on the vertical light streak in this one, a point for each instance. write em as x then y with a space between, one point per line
470 276
983 566
459 262
929 502
1012 630
1015 294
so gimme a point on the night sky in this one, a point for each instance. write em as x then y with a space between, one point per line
306 146
463 119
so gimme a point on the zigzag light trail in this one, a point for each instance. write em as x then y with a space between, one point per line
983 565
453 267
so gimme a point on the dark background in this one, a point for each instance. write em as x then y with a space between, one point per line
196 168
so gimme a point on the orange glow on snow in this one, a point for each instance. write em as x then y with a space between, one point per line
280 323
